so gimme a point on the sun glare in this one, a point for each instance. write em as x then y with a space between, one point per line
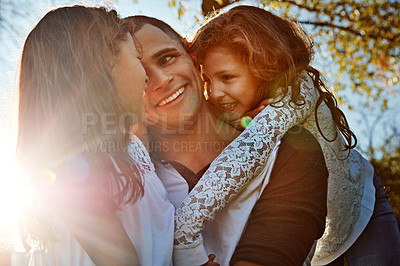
11 197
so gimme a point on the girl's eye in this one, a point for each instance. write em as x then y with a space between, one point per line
227 77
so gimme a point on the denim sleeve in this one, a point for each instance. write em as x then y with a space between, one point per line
290 214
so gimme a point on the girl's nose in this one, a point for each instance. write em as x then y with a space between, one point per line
216 91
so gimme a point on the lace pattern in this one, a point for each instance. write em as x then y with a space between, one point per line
345 186
140 156
241 160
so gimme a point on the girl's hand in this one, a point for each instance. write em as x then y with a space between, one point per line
246 119
211 262
259 108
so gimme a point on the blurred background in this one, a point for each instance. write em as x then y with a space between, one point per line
356 48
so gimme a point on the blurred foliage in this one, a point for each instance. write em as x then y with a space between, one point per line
182 7
361 36
389 169
388 166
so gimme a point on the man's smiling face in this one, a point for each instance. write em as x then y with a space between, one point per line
174 91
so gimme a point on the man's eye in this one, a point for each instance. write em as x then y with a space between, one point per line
166 59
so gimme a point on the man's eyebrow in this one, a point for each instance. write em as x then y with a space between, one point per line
163 51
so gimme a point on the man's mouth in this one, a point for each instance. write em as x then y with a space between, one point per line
172 97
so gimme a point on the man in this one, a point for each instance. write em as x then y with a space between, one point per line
185 138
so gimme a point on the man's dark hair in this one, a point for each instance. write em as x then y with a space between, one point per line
139 21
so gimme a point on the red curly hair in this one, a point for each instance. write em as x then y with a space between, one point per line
276 50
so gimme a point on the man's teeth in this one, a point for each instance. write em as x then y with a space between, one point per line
172 97
228 105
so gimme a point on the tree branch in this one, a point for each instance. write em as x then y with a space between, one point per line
331 25
348 29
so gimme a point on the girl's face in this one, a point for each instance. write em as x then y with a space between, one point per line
232 86
129 76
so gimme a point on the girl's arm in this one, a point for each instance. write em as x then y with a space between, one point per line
103 238
96 227
88 213
241 160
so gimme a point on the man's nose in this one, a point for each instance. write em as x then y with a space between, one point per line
158 79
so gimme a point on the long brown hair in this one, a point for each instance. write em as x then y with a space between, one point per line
66 95
276 50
